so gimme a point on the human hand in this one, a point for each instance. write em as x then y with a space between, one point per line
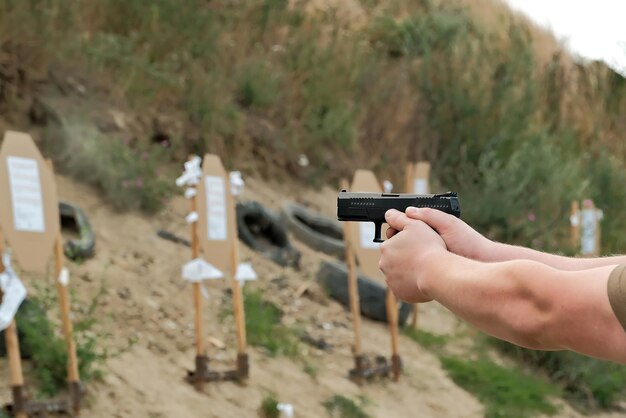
404 256
460 238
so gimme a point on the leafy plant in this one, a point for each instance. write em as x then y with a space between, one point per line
269 407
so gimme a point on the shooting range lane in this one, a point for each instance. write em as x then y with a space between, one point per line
368 255
214 230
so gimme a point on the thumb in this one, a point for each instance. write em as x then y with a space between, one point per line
396 219
436 219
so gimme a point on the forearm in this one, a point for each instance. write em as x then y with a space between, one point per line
504 252
491 296
529 303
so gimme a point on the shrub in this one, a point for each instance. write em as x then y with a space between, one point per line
129 176
269 407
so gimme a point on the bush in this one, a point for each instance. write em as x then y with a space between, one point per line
269 407
48 350
128 175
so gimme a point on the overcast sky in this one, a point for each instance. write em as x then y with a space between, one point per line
592 29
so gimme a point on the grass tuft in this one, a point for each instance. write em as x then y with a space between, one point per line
269 407
264 329
505 393
340 406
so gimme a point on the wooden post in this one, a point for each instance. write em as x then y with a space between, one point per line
353 289
392 320
238 302
239 314
14 357
201 360
73 376
575 225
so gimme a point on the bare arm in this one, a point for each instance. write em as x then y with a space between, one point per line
525 302
505 252
463 240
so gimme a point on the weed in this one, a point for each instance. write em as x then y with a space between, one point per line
504 392
269 407
343 407
426 339
310 369
263 327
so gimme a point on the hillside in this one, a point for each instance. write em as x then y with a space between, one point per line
119 93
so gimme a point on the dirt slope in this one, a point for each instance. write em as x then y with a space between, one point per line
147 300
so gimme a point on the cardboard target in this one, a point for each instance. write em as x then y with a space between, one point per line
217 227
29 212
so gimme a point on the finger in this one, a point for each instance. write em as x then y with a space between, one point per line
396 219
390 232
436 219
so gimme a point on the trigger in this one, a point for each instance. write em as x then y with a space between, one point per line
378 227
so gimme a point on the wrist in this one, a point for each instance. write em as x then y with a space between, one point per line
430 270
485 250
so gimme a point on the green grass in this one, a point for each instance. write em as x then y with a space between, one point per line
269 408
264 329
587 383
340 406
505 393
426 339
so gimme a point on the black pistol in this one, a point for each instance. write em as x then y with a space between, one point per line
371 207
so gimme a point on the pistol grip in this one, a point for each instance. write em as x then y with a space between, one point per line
378 229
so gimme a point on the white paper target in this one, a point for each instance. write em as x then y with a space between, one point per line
216 208
26 197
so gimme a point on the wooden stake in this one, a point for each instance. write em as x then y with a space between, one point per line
392 320
238 309
13 353
197 300
352 284
73 376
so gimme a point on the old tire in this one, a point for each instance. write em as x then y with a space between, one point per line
263 231
73 217
317 231
333 276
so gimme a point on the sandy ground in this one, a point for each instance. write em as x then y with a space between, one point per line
146 300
